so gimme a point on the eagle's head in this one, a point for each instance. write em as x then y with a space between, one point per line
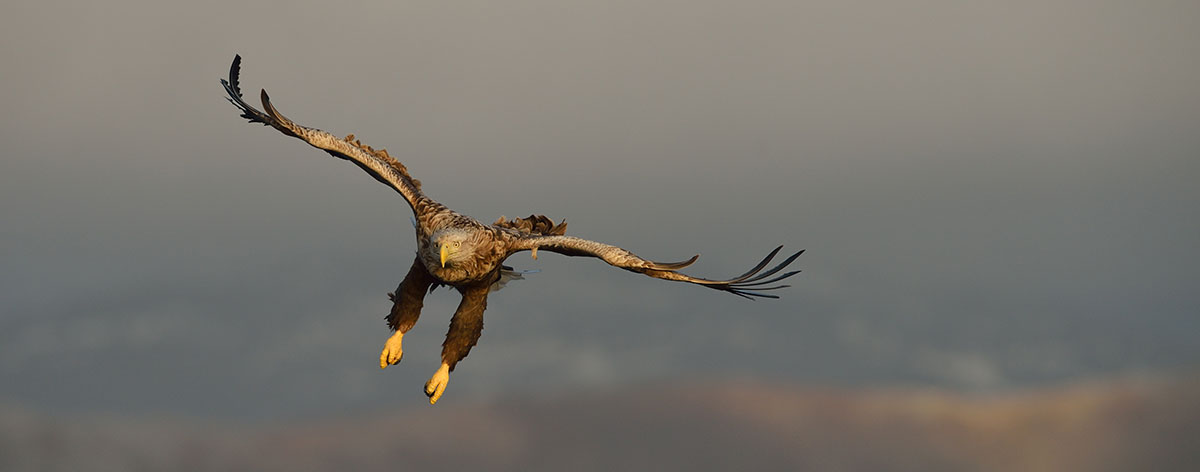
450 245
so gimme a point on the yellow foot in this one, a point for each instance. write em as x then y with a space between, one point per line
437 384
391 351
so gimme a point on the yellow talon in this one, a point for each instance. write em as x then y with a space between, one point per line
437 384
534 252
392 351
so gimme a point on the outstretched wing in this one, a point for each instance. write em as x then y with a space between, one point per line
379 164
748 285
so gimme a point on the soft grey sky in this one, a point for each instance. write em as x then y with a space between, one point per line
991 196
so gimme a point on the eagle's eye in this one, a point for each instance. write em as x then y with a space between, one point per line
457 244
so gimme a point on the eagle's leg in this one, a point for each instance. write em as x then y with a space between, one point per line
406 308
465 328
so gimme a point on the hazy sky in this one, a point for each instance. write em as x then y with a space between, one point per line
991 195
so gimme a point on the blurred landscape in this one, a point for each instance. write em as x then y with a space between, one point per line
1144 423
998 202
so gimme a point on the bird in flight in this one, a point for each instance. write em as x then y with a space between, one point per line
458 251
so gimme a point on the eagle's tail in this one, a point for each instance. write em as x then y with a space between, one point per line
508 274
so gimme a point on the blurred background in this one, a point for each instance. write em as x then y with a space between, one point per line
999 204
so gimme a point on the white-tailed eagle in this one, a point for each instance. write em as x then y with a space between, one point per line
461 252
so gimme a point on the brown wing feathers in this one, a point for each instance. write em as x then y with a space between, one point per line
538 225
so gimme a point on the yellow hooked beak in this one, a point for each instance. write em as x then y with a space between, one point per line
445 252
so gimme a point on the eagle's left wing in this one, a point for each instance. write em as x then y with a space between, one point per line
748 285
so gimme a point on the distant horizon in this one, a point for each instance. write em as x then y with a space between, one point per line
1119 423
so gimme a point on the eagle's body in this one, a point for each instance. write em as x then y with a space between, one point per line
461 252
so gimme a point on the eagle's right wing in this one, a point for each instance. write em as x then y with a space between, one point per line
379 164
751 284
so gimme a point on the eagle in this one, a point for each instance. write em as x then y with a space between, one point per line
458 251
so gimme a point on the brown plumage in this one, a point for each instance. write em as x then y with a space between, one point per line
458 251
